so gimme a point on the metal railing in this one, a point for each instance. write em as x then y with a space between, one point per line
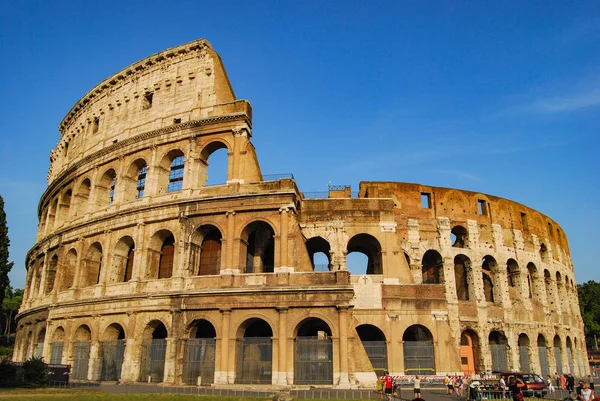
113 354
254 360
199 361
153 360
313 361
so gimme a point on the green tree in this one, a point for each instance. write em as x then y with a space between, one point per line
589 302
5 265
10 308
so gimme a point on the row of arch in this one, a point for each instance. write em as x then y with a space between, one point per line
95 192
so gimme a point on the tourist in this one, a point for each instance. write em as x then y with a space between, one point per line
550 385
515 385
586 393
449 384
417 387
379 387
502 386
570 383
388 384
458 386
591 383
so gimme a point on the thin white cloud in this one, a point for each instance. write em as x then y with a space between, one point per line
558 104
459 174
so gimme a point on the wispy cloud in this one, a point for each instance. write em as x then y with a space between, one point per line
459 174
565 103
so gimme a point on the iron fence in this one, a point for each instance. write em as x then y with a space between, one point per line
199 360
524 358
418 358
56 351
544 364
39 350
81 360
313 361
153 360
377 353
113 354
499 359
558 359
254 360
570 360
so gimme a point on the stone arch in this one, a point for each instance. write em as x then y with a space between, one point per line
134 180
171 171
534 281
369 246
513 274
39 343
51 274
543 355
418 351
64 206
53 214
105 188
463 275
524 352
499 350
557 344
112 348
199 353
92 265
205 252
544 253
459 237
81 352
254 352
489 270
214 149
82 197
374 342
432 267
570 355
470 352
161 254
57 340
313 352
154 348
258 247
319 250
67 270
123 258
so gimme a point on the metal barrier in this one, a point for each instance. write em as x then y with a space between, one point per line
81 361
418 358
113 353
313 361
377 353
56 350
199 360
545 365
499 360
254 360
153 360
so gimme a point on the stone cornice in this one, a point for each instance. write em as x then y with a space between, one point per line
131 71
58 181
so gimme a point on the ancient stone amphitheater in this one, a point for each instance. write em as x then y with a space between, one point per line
142 271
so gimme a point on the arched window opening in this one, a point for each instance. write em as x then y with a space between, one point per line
462 267
140 186
52 215
533 280
543 353
199 355
39 344
82 197
51 274
113 352
370 247
123 258
254 354
487 264
570 356
260 248
432 268
313 356
92 265
459 237
105 188
319 253
176 174
210 254
523 343
67 271
81 349
469 352
57 345
512 273
154 347
544 253
558 354
215 155
375 345
499 350
167 254
64 206
418 351
548 287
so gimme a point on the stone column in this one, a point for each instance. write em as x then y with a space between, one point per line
282 374
221 375
230 263
343 323
170 359
283 239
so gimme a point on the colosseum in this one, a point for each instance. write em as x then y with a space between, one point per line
143 271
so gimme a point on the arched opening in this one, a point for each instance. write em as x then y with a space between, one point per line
260 248
533 281
134 181
548 287
418 351
39 344
63 207
558 354
499 350
57 345
523 343
432 268
113 352
462 268
51 274
123 258
161 255
206 251
544 253
215 156
173 163
92 265
313 353
67 271
254 357
459 237
81 350
154 350
369 246
82 197
105 188
570 354
199 356
487 264
375 345
53 215
469 352
29 346
543 354
319 253
512 273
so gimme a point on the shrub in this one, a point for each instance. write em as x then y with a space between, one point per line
8 374
35 372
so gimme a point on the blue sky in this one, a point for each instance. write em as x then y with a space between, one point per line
496 97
